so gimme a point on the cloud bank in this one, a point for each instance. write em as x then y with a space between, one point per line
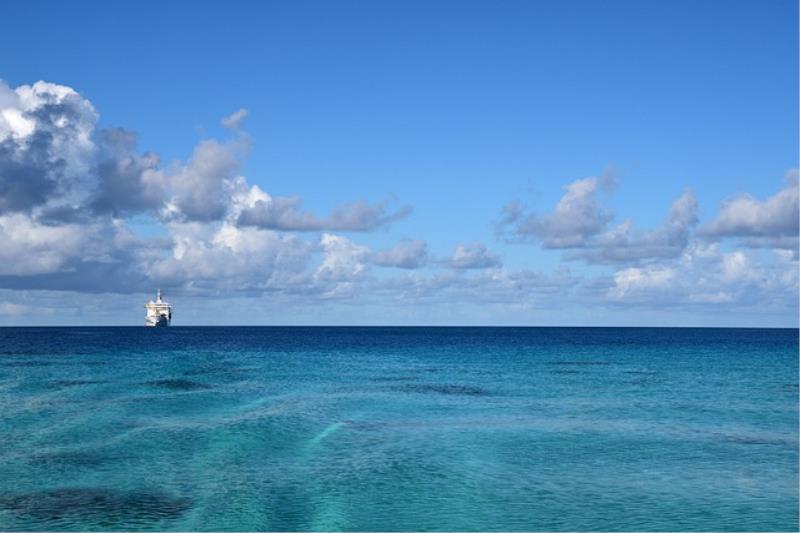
73 197
69 190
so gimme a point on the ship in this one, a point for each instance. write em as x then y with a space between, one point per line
159 313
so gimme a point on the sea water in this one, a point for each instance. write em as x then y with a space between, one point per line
398 429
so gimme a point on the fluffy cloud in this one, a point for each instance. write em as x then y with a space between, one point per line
209 257
641 280
624 244
674 264
576 218
474 255
705 275
769 223
53 156
30 248
100 255
67 188
200 187
405 254
46 145
129 182
578 224
343 264
286 214
72 196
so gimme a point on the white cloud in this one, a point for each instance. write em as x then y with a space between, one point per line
68 190
624 244
771 222
46 145
405 254
209 256
30 248
129 182
52 156
579 223
474 255
576 217
93 255
234 120
200 188
67 187
737 266
286 214
637 280
343 264
704 275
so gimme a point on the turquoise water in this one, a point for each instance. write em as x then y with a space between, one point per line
398 429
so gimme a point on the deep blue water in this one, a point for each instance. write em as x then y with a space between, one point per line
398 429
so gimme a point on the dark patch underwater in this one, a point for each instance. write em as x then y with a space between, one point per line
107 508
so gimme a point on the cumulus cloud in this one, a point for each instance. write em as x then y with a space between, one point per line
639 280
53 156
72 194
30 248
46 144
706 275
674 264
199 188
286 214
67 187
210 257
772 222
579 224
470 256
405 254
343 264
129 182
625 244
100 255
576 218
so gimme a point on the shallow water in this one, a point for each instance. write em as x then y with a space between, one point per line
398 429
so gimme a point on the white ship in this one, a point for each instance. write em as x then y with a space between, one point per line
159 313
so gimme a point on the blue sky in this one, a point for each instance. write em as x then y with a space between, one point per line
452 109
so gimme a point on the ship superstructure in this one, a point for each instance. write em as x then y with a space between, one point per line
159 313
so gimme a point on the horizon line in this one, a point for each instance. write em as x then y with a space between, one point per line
487 326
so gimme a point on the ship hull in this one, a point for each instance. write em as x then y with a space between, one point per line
161 322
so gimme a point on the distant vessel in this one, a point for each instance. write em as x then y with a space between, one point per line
159 313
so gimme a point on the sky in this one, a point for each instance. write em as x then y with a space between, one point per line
575 163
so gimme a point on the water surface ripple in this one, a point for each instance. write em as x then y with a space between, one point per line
392 429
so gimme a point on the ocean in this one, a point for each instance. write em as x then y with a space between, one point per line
397 429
